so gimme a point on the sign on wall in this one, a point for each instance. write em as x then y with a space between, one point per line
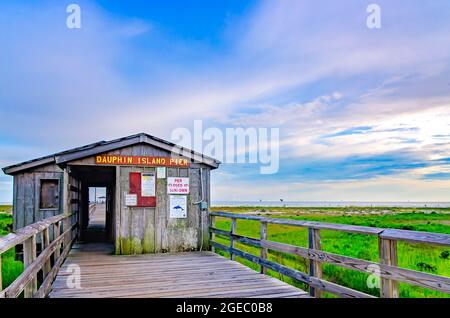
177 185
141 161
130 199
178 206
136 183
161 172
148 185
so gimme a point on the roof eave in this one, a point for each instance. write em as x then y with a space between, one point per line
64 157
156 142
10 170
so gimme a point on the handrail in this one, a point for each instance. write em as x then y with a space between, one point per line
53 242
92 207
389 272
21 235
404 235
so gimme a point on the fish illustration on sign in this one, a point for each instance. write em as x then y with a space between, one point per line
178 208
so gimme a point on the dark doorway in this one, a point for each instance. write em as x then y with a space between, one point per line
96 227
96 216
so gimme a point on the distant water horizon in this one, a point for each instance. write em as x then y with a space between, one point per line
324 204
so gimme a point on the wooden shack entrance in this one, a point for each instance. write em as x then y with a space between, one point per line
95 177
157 193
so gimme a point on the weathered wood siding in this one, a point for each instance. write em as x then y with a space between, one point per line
27 195
136 233
150 230
136 230
75 198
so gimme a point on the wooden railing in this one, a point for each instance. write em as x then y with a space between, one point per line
389 272
56 235
92 207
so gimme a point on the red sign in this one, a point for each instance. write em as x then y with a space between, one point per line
141 161
135 188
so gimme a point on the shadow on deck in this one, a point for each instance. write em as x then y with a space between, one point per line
194 274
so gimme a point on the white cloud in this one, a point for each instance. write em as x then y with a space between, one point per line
310 67
401 188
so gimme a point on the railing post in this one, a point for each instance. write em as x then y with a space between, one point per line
45 243
315 267
56 234
29 256
212 235
1 272
67 236
232 242
76 229
67 207
263 253
388 256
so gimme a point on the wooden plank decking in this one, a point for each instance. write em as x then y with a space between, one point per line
97 216
183 275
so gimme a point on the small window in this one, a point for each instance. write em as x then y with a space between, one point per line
49 196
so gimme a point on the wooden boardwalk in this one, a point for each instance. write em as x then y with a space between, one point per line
53 270
97 216
180 275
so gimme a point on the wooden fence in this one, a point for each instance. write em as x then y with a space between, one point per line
56 235
390 273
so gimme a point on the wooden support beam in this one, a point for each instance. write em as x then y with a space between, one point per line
29 256
238 238
24 279
57 233
45 243
67 196
74 189
28 236
232 242
263 252
408 276
212 235
315 267
388 256
333 288
46 285
390 273
316 225
21 235
1 273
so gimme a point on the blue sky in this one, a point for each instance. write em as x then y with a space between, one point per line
364 114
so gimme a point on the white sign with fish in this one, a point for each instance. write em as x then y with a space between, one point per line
178 206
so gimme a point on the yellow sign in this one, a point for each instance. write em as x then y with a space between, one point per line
141 161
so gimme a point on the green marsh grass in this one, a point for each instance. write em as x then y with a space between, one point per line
11 268
420 257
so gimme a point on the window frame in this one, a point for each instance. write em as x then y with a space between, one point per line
40 194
